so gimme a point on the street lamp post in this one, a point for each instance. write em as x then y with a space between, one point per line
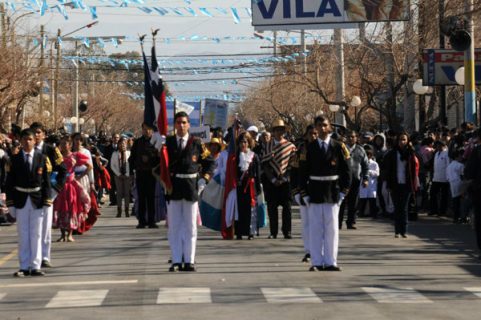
334 108
355 102
57 68
420 90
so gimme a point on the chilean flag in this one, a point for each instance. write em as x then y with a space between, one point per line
155 112
230 193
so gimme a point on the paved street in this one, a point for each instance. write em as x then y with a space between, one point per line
118 272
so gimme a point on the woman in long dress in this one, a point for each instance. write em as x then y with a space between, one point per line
248 187
87 181
72 202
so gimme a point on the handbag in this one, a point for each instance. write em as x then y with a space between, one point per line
261 209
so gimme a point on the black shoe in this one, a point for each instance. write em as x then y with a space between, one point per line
307 257
175 267
238 237
153 226
332 268
140 226
37 273
316 268
271 236
113 204
189 267
119 215
21 273
287 236
46 264
351 227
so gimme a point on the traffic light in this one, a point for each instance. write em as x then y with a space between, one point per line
455 28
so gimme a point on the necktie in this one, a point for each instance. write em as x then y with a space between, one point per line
123 167
181 143
27 161
323 147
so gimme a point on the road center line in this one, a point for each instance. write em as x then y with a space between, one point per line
8 257
69 283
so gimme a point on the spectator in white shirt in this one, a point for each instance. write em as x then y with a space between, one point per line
454 174
440 186
119 164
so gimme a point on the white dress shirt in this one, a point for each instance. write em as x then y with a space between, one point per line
441 162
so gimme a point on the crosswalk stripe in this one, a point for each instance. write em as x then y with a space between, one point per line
396 295
475 290
184 295
290 295
77 298
67 283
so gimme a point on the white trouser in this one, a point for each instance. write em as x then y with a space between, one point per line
323 233
305 227
47 232
47 229
182 217
29 228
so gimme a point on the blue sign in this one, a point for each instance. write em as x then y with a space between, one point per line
315 14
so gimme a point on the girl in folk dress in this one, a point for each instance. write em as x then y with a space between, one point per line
87 181
72 202
248 187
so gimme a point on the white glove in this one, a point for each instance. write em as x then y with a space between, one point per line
307 200
341 197
297 197
157 140
12 211
201 185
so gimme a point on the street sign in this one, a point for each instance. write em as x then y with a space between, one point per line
314 14
440 65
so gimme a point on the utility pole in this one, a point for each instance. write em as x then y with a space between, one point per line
421 46
275 43
469 67
390 70
442 45
41 64
338 42
52 83
76 93
303 48
57 71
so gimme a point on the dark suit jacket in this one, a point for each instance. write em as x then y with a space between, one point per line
20 176
472 172
58 166
317 163
188 161
143 156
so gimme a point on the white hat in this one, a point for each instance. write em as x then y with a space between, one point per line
253 128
